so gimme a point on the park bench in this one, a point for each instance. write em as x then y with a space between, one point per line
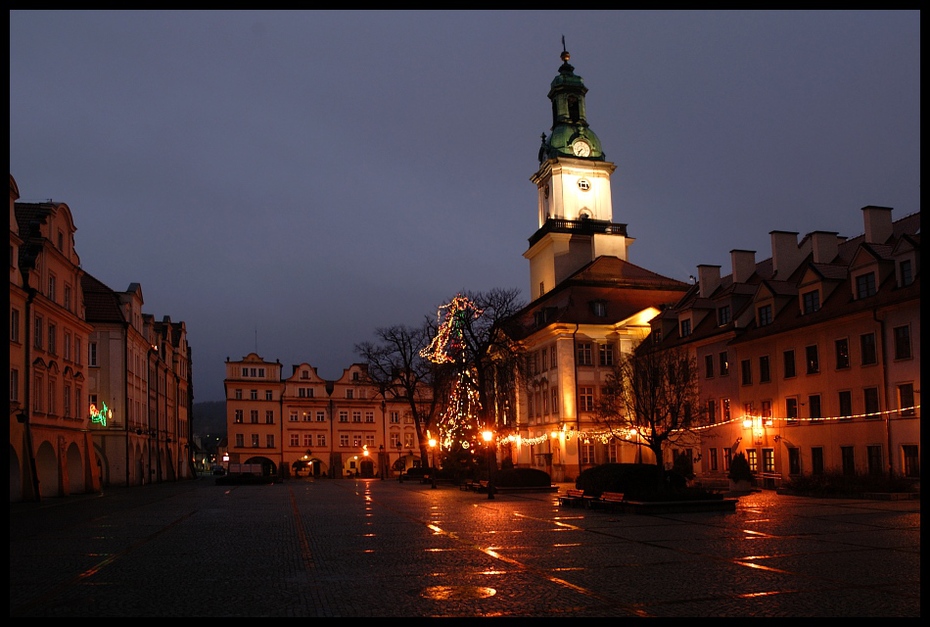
608 499
575 498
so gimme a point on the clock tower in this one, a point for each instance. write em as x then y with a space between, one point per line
573 190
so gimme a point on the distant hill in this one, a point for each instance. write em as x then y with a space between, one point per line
209 418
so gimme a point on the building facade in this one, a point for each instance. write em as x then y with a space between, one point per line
100 393
303 425
810 359
51 449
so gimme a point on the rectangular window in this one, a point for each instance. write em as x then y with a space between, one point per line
269 395
724 368
343 440
791 409
343 415
812 360
726 409
817 460
768 460
794 461
584 354
685 328
308 440
253 416
37 334
553 358
253 395
269 440
746 370
874 459
865 285
51 288
555 401
810 302
906 399
711 411
587 453
709 367
308 416
902 342
766 411
321 416
813 404
52 339
369 416
292 416
842 353
239 416
14 325
907 272
847 454
713 460
845 403
606 354
240 440
765 315
586 398
92 353
752 456
871 403
67 302
255 440
238 395
765 369
67 347
269 417
867 345
911 455
14 385
723 315
395 417
356 416
350 393
790 370
295 439
321 439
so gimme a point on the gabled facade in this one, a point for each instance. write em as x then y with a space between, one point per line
51 450
820 372
306 425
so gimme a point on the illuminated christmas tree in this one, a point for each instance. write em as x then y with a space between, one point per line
458 426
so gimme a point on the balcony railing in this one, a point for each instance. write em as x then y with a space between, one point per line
581 227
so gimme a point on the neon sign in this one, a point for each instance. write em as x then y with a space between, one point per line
100 415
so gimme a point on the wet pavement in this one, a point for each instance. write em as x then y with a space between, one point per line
343 548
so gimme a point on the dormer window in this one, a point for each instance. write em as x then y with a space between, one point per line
865 285
723 315
599 308
685 328
810 302
906 272
765 315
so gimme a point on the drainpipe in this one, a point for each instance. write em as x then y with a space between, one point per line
882 348
24 415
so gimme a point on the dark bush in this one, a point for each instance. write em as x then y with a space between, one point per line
522 478
640 482
739 468
626 478
838 484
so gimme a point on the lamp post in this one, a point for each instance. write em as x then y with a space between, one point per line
381 460
488 435
432 474
401 473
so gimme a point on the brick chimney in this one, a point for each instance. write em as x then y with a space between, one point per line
824 245
877 224
708 280
786 255
744 264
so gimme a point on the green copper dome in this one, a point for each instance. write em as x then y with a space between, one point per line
570 136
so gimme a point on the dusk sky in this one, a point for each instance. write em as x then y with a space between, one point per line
287 182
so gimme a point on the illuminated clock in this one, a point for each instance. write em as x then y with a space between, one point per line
581 148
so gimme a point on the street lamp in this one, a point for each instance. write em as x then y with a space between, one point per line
432 474
381 460
488 435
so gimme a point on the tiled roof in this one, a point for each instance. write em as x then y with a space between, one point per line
101 304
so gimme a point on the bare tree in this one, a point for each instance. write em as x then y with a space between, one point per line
651 398
396 368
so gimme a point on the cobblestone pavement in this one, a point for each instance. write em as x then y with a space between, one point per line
343 548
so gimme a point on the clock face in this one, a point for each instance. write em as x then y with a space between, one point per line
581 148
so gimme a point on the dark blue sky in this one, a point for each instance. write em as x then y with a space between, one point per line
292 181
